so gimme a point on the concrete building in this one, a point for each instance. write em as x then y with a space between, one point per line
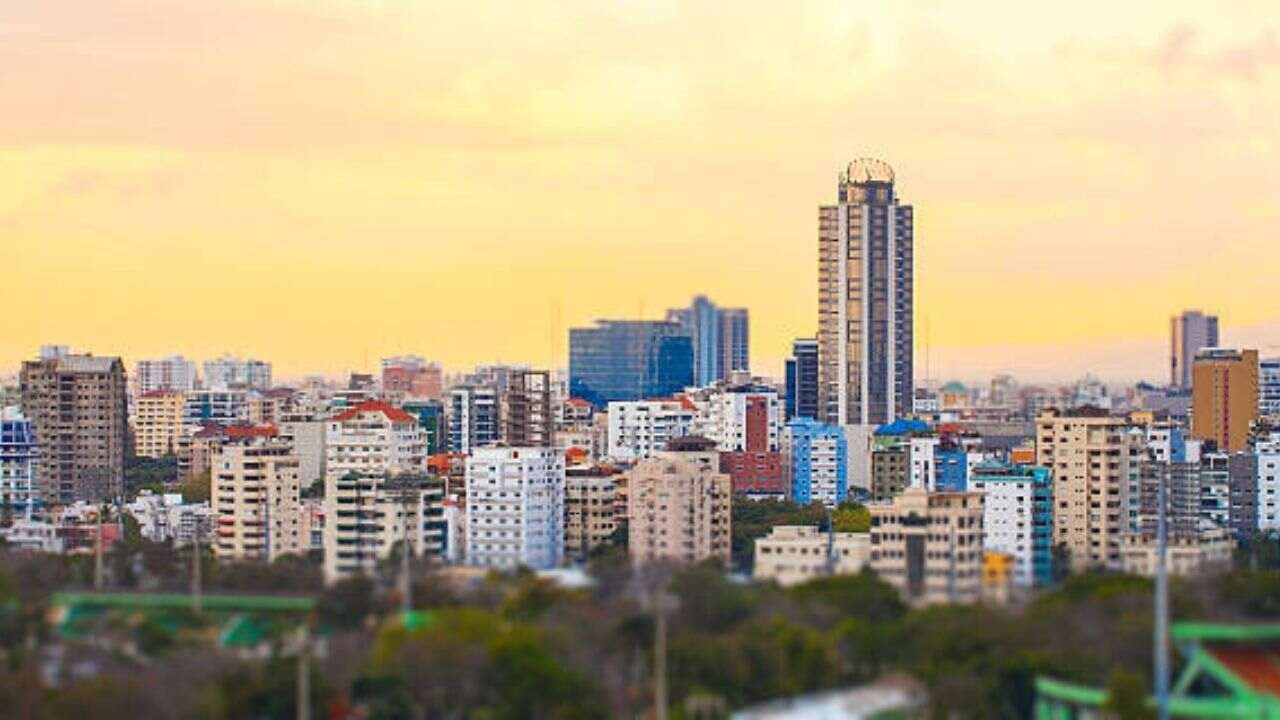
802 380
18 458
529 419
228 372
793 554
819 462
374 438
307 439
173 373
158 423
865 300
1017 518
642 428
1269 389
515 508
369 517
1268 481
166 518
679 505
77 406
929 546
1189 333
215 407
410 376
1187 555
1095 462
474 417
890 472
590 497
625 360
1224 397
720 339
256 498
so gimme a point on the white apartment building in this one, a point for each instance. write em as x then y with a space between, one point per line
1269 388
173 373
215 407
1268 450
366 518
256 498
166 518
642 428
307 437
923 469
1017 517
229 372
722 411
374 438
515 508
793 554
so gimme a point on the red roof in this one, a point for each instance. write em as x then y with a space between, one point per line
577 402
160 393
394 414
1258 667
246 431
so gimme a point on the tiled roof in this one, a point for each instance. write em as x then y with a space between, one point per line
394 414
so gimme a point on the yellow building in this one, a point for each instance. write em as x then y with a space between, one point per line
1224 396
928 545
157 423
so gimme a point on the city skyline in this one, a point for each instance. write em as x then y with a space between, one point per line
1042 172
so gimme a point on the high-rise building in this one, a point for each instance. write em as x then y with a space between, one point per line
368 516
802 379
256 498
1224 397
229 372
515 507
1018 518
158 423
643 428
1095 460
929 545
720 339
1189 333
1269 388
529 420
619 360
430 414
474 417
173 373
678 505
1268 482
77 406
865 300
18 457
819 462
745 423
374 438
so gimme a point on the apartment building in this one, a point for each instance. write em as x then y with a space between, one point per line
158 423
590 497
367 518
474 417
679 505
515 508
18 457
819 462
529 419
929 546
77 406
215 407
1186 555
173 373
1268 481
643 428
1017 518
1095 461
374 438
794 554
256 499
228 372
1224 397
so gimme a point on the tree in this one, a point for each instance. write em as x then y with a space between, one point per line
197 489
1127 696
851 517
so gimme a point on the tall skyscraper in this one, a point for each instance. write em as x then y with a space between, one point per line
865 299
1224 397
629 360
1189 333
720 338
77 407
802 379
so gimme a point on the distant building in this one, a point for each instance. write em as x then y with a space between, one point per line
224 406
368 517
431 418
802 379
229 372
1224 397
678 506
865 300
719 336
1189 333
158 423
256 498
1269 388
307 439
790 554
410 376
590 496
624 360
515 508
166 518
641 429
529 419
1187 555
819 462
18 458
173 373
929 546
374 438
1017 518
890 472
77 407
474 417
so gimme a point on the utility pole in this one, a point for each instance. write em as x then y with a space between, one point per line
660 654
197 601
97 551
304 673
1162 606
831 544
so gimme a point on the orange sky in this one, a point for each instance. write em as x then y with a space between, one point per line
323 182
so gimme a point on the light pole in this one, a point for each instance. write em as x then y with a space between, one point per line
1162 604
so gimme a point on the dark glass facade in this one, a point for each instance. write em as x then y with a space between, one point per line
629 360
802 380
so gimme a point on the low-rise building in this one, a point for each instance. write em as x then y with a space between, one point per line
1186 555
929 545
793 554
164 517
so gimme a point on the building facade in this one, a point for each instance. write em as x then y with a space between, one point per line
529 420
256 499
173 373
719 337
474 417
802 379
229 372
1269 389
819 462
929 546
793 554
590 497
158 423
18 458
1189 333
368 517
865 300
1224 397
623 360
515 508
641 429
1017 518
679 506
374 438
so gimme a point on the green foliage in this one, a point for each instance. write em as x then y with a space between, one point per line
851 517
149 472
754 519
198 488
1127 696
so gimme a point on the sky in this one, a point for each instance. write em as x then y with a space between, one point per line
321 183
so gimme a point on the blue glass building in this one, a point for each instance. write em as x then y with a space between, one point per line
802 379
629 360
950 470
720 338
819 462
430 413
18 456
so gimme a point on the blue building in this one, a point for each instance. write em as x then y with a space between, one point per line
18 456
720 339
819 462
430 414
1017 517
951 470
619 360
473 417
802 379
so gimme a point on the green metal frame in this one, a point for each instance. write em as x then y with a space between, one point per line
245 620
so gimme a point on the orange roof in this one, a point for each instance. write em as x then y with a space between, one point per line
577 402
246 431
1258 667
160 393
394 414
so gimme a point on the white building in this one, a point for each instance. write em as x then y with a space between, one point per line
923 469
722 416
1010 518
174 373
640 429
256 499
515 507
216 407
1269 482
166 518
1269 388
793 554
229 372
374 438
307 437
367 517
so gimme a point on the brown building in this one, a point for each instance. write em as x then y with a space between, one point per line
590 495
678 505
928 545
890 472
1096 465
78 409
529 420
1224 397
